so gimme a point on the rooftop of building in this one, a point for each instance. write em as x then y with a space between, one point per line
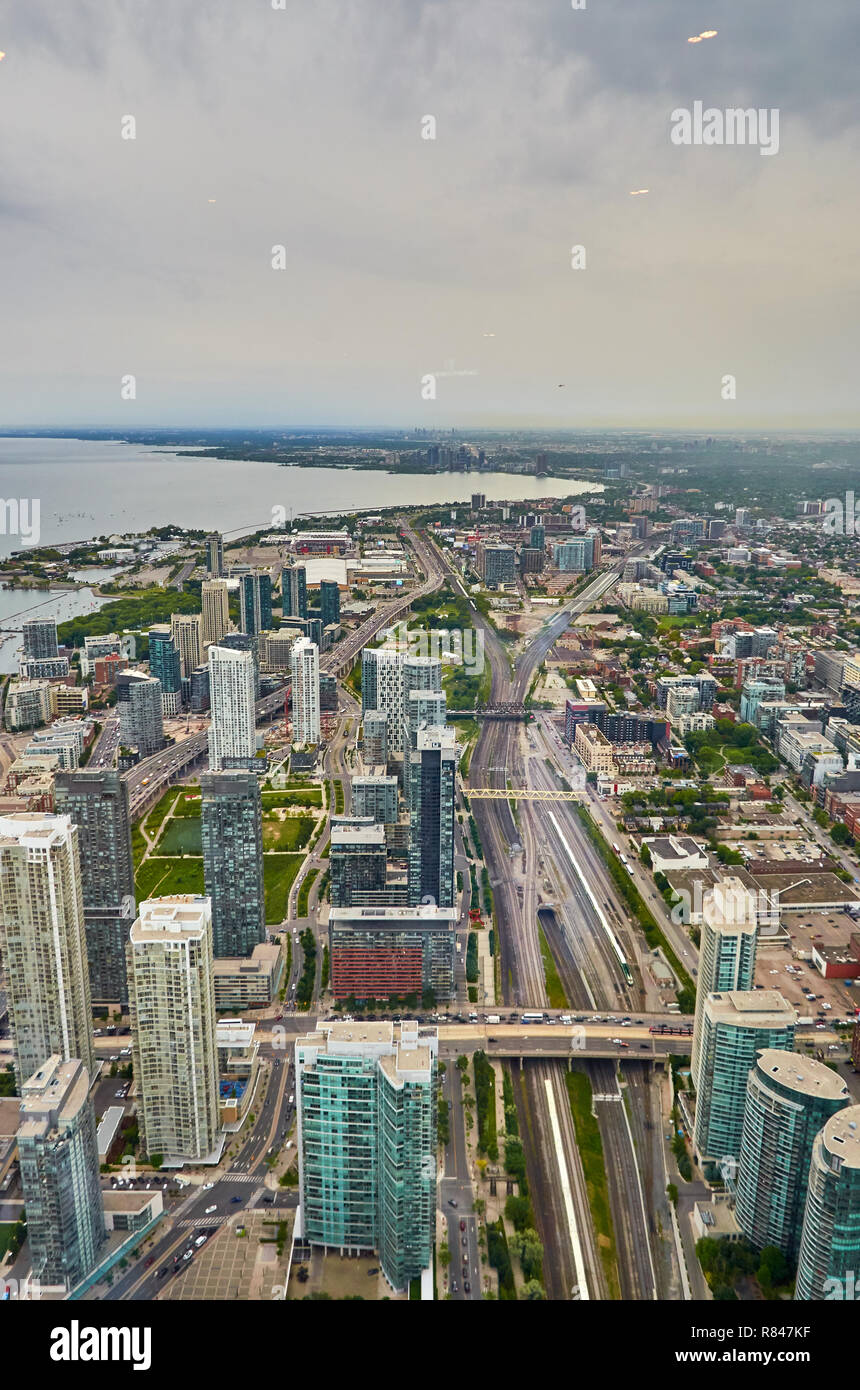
797 1072
841 1136
35 827
751 1008
57 1084
424 912
183 912
263 959
357 835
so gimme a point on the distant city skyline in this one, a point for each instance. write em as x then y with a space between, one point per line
299 137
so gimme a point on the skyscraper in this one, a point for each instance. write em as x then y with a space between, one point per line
40 638
304 661
329 601
59 1163
43 941
97 803
789 1099
165 666
172 999
214 554
366 1105
374 746
242 642
432 773
425 709
255 603
232 829
375 796
232 733
736 1026
421 673
830 1241
294 592
215 600
727 953
382 688
186 629
357 862
141 721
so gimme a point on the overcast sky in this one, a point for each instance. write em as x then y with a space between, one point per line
404 255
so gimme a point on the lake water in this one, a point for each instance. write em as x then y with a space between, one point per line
17 605
90 488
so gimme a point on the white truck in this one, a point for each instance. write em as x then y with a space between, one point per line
494 1018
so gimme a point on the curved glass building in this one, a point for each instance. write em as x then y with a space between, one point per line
789 1099
828 1264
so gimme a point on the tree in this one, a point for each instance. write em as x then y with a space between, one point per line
534 1290
529 1251
444 1254
773 1268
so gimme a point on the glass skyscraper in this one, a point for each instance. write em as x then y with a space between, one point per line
789 1099
232 830
255 603
828 1266
366 1100
97 803
59 1162
432 774
735 1028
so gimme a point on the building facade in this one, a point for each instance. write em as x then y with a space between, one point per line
231 818
43 941
96 801
789 1099
366 1105
305 664
59 1163
232 732
172 1004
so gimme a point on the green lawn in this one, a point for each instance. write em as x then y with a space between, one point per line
554 988
182 836
188 802
160 810
159 878
290 834
7 1229
279 872
590 1147
298 796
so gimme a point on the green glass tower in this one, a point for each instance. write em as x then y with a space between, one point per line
789 1099
828 1265
367 1142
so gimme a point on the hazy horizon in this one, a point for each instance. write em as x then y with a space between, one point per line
406 257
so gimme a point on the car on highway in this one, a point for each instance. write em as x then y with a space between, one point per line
235 1199
462 1225
452 1202
467 1287
188 1254
209 1210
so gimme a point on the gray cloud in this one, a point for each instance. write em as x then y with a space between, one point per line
304 127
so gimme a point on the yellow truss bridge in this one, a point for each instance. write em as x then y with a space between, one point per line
518 794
